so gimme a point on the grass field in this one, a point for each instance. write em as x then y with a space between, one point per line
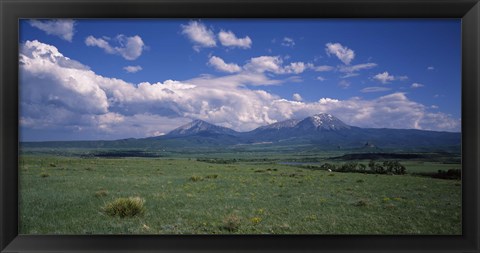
67 195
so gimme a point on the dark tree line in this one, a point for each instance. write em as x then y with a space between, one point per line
387 167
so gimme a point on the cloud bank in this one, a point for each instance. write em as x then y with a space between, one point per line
62 95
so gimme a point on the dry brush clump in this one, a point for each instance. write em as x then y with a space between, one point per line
361 203
101 193
231 222
196 178
125 207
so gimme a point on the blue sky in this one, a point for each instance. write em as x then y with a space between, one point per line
111 79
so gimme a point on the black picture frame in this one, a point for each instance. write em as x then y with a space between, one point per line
12 10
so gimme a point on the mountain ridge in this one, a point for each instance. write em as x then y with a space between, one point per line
322 130
321 121
199 126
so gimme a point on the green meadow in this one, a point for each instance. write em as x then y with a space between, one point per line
62 194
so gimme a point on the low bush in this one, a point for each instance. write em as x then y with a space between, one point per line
231 222
196 178
125 207
328 166
387 167
453 174
217 160
101 193
256 220
449 174
361 203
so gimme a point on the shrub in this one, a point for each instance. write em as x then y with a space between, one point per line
196 178
217 160
386 167
361 203
394 167
44 174
212 176
256 220
362 167
328 166
390 206
379 169
348 167
231 222
454 174
125 207
449 174
101 193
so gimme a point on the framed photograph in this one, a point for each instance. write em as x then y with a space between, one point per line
320 126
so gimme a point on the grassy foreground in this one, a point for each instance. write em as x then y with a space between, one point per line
67 195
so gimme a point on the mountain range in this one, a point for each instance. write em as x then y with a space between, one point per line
323 131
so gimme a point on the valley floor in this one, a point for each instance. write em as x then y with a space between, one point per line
66 195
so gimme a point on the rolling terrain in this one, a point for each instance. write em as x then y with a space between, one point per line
290 177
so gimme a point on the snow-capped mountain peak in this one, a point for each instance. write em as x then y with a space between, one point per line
322 121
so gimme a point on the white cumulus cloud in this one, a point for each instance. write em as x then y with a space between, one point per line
297 97
129 48
384 77
220 65
63 28
343 53
229 39
265 63
63 97
417 85
132 69
295 67
199 34
274 64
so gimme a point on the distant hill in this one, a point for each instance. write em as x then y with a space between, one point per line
323 131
